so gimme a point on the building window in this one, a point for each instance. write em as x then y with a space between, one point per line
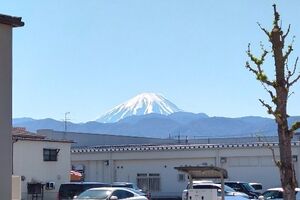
50 154
149 182
181 177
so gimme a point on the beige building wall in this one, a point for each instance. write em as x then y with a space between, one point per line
5 110
16 188
6 25
28 163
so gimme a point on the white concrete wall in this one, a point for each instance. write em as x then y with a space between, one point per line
5 111
251 164
127 170
28 162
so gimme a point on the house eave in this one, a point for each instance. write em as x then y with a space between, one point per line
11 20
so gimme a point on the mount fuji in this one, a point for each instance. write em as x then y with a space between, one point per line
142 104
152 115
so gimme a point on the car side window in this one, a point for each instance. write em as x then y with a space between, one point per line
279 195
122 194
235 186
239 187
257 187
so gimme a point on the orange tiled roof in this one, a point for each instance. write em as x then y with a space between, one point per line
21 132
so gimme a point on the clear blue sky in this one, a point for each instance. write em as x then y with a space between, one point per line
86 56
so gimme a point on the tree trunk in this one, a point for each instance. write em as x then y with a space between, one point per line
288 181
286 165
281 85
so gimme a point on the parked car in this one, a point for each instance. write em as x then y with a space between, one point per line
210 185
69 190
126 185
257 186
185 192
132 186
110 193
277 194
243 187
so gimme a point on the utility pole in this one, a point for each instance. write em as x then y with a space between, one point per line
66 119
179 138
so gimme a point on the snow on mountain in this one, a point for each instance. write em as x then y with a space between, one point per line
141 104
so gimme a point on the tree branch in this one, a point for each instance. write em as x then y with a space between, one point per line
277 162
290 94
273 97
290 74
269 108
265 143
276 16
288 52
260 75
287 32
287 69
264 140
294 81
264 30
248 66
294 127
295 66
257 61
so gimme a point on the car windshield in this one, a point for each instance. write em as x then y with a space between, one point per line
248 187
137 191
272 194
127 185
95 194
228 189
134 186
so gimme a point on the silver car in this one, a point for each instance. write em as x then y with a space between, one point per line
110 193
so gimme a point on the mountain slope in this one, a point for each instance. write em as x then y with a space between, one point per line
141 104
164 126
35 124
187 117
22 120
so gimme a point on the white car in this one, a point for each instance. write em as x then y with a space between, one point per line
229 192
277 194
126 185
110 193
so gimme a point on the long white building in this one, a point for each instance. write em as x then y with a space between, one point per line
152 166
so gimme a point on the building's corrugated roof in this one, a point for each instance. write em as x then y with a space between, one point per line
20 133
42 140
11 20
125 148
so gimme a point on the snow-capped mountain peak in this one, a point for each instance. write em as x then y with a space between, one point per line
141 104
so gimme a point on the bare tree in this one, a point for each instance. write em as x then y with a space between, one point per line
279 91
